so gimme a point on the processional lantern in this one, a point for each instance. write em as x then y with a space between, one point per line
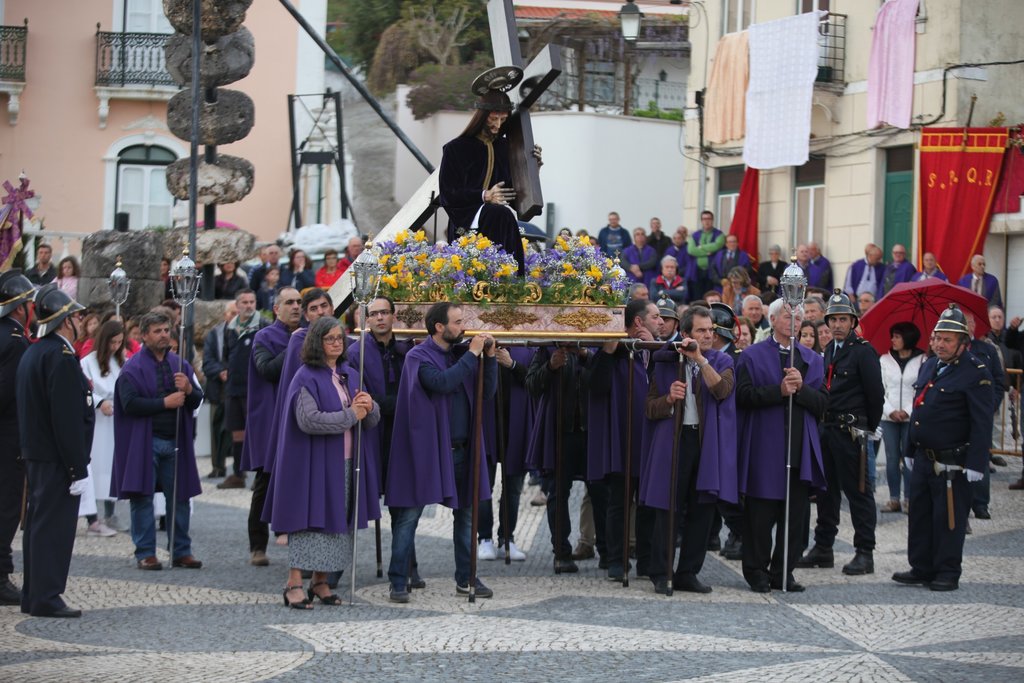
366 273
185 277
794 284
119 285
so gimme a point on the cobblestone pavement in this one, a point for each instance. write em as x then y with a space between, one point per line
226 621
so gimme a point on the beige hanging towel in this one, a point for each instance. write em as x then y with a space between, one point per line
726 101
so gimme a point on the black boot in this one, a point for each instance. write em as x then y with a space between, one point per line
9 593
862 563
733 548
817 557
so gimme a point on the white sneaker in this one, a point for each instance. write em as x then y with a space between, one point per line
514 553
485 551
98 528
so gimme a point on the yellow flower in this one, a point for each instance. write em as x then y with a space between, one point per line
476 265
384 259
464 241
437 264
401 237
561 243
457 262
526 243
420 257
390 281
609 263
595 273
568 269
505 270
535 273
482 243
420 236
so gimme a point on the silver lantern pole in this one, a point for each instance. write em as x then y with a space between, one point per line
794 286
184 279
119 284
366 273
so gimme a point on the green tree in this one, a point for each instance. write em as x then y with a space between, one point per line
363 22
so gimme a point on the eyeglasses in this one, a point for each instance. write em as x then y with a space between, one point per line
378 314
334 339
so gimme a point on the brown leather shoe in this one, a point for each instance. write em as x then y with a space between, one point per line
583 551
187 562
232 482
1017 485
150 564
259 559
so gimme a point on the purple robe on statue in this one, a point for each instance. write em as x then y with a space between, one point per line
307 486
519 407
258 450
762 445
716 473
421 470
606 416
133 436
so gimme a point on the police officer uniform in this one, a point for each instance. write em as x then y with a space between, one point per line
853 381
55 420
723 322
667 309
16 291
949 435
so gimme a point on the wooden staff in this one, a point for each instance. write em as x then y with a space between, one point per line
380 557
677 432
950 517
500 439
557 540
478 419
628 497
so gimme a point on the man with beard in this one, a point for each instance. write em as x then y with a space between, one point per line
475 178
153 403
432 443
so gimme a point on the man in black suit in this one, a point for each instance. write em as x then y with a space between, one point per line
55 421
15 294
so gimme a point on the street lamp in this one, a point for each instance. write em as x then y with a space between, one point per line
630 16
119 284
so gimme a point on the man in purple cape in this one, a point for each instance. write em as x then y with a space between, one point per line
557 380
153 402
606 427
269 350
900 270
432 443
306 489
640 260
728 258
764 384
866 274
516 423
819 268
705 450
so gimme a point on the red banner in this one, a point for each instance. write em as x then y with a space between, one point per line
744 217
959 175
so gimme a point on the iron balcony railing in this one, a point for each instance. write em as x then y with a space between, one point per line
124 59
12 52
832 49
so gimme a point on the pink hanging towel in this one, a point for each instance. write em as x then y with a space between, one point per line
891 65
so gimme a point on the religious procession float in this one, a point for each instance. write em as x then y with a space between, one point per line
570 290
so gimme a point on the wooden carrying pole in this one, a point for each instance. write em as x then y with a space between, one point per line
478 419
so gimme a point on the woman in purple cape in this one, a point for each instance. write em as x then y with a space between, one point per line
312 483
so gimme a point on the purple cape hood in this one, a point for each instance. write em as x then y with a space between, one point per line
421 471
133 436
762 445
307 487
716 473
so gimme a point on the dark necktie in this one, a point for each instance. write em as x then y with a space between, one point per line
940 368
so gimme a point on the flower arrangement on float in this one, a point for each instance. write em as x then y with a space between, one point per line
569 289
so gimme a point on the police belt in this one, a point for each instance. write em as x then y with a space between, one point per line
842 420
955 457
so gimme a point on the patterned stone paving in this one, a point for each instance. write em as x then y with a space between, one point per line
226 621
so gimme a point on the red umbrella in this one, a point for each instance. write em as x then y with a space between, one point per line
921 303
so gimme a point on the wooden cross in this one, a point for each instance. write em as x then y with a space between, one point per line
537 76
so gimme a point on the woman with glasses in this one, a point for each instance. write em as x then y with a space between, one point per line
313 477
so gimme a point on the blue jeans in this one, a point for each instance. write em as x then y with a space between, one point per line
403 534
143 523
894 436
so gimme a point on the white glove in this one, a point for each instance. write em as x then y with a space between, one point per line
909 463
973 476
78 487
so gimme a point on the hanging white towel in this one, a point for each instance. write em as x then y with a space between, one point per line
783 67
